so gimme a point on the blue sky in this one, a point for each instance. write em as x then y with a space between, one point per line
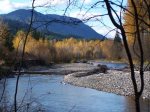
79 9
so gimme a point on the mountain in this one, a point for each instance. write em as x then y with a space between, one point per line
50 24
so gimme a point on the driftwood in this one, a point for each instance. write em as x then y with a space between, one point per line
100 69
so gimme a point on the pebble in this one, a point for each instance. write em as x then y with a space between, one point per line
114 81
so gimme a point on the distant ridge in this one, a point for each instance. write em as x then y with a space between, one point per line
51 24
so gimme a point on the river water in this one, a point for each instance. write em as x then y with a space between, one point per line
49 94
112 65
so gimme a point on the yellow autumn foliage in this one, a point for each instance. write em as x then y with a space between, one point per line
64 50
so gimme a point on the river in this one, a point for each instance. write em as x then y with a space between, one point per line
49 94
111 65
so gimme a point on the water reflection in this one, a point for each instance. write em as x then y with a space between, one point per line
50 95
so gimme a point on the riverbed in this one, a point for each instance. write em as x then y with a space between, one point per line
45 93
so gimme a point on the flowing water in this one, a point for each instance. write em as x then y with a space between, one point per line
44 93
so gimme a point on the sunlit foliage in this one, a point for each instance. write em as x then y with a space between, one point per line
66 50
130 27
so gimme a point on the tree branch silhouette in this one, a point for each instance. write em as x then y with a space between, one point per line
22 57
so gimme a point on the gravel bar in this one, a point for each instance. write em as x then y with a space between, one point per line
118 82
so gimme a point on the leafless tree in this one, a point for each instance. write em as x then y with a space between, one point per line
22 57
137 90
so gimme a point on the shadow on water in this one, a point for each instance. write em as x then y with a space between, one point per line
50 94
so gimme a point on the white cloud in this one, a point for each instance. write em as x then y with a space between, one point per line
8 6
49 2
5 6
87 1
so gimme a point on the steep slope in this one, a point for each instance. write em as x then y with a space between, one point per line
50 23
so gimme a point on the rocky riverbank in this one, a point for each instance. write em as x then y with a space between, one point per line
118 82
88 75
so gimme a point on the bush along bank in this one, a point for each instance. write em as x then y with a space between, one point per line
5 72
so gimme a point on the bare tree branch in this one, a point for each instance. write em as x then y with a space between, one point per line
18 77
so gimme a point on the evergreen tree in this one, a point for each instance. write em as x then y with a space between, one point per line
117 37
117 47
